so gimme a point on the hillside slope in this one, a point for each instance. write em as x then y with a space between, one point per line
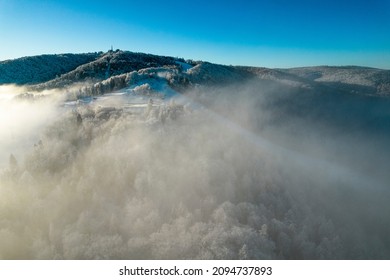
107 65
42 68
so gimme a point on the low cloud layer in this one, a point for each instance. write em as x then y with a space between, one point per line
224 178
21 121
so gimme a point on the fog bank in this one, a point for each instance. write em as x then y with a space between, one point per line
227 176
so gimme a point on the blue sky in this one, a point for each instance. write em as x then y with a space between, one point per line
270 33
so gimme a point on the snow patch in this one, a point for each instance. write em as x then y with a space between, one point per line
185 66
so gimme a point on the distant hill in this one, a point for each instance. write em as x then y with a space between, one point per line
360 80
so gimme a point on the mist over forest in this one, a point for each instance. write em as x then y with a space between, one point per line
134 156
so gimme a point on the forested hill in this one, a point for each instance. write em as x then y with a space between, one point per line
115 67
41 68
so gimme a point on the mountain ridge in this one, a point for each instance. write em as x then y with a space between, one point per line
62 70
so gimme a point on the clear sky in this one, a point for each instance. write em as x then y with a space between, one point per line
270 33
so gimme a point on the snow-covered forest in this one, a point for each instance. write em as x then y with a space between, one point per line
137 156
